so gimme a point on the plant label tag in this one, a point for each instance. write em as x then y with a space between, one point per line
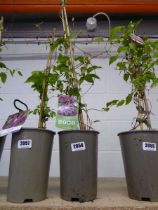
67 113
149 146
25 144
78 146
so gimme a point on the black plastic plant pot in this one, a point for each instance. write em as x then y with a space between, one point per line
31 150
78 165
2 141
140 156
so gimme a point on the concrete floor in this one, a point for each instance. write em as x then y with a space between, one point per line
112 195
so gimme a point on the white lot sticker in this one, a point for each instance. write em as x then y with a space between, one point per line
25 144
78 146
149 146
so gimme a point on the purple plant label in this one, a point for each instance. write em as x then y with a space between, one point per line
67 106
149 146
25 144
16 119
78 146
67 113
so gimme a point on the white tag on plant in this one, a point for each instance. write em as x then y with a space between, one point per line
78 146
149 146
25 144
7 131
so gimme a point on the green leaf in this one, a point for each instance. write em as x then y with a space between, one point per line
156 54
111 103
81 80
126 77
53 79
56 43
2 65
63 59
60 85
63 68
113 59
93 68
80 58
74 92
36 78
120 103
129 98
94 76
20 74
89 78
3 77
106 109
11 72
156 62
52 114
115 31
121 65
122 49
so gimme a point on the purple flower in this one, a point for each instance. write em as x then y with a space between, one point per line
67 110
67 100
62 99
137 39
73 100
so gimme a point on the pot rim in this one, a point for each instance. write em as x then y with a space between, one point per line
137 131
79 131
40 129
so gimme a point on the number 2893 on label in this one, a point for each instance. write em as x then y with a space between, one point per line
149 146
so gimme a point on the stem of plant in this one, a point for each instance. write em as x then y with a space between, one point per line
43 104
140 115
147 111
1 27
143 104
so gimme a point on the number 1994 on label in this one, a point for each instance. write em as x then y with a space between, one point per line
78 146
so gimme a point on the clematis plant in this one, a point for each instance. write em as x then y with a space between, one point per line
65 76
135 58
74 71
